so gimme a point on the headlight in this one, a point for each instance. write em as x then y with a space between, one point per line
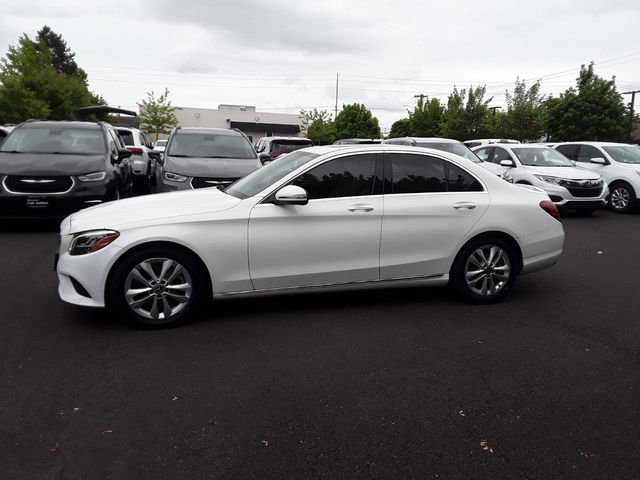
552 180
174 177
92 177
89 242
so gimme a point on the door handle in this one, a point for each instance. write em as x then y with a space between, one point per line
360 208
464 205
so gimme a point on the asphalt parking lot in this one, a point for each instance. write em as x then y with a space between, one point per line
380 384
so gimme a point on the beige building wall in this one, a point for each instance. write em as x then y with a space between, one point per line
253 124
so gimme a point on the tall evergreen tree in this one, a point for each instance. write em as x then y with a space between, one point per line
62 58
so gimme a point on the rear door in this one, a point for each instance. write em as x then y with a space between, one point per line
430 204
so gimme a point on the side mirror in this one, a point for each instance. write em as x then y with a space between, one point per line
123 153
291 195
507 163
264 158
599 161
157 156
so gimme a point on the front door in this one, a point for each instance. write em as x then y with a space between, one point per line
334 239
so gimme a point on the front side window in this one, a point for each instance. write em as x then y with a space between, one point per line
211 145
424 174
55 139
484 153
272 172
587 152
624 153
541 157
569 151
500 154
348 176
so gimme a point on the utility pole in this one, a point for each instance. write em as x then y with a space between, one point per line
633 100
494 109
421 96
335 112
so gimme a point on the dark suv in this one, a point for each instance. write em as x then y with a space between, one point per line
52 169
205 157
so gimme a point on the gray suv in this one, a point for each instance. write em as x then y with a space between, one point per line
205 157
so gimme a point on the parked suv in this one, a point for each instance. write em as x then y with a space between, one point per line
618 163
51 169
4 131
205 157
568 186
486 141
276 146
143 165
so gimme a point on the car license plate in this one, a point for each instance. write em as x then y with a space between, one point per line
37 202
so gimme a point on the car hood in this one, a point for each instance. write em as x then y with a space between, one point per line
210 167
571 173
150 208
49 164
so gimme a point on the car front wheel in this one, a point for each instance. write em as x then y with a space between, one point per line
622 198
485 270
157 287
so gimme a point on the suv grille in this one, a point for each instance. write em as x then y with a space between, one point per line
583 188
203 182
37 185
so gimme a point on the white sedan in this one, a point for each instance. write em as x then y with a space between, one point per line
321 218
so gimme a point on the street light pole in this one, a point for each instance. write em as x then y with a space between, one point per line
632 103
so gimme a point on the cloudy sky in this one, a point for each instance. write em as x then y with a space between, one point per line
283 55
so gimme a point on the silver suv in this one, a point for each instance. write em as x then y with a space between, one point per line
144 166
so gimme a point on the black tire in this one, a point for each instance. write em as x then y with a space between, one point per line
495 273
622 198
123 278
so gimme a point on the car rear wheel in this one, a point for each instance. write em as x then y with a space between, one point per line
622 198
485 270
157 287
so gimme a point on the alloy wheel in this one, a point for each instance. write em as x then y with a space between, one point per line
487 270
158 288
620 198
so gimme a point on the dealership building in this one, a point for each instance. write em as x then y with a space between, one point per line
245 118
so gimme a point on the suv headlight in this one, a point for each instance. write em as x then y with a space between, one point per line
92 177
547 179
92 241
174 177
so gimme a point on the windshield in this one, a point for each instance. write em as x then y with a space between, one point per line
55 139
211 145
541 157
272 172
457 148
127 136
161 143
624 154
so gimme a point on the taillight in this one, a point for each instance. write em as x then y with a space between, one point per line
135 150
549 207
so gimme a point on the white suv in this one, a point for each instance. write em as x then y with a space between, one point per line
568 186
144 167
618 163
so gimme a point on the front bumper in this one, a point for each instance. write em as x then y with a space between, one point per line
564 199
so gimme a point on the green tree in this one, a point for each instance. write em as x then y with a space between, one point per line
310 116
593 110
157 114
62 57
466 114
31 87
356 121
525 118
426 118
321 132
401 128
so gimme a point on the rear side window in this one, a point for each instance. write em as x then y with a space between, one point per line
424 174
569 151
348 176
127 137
